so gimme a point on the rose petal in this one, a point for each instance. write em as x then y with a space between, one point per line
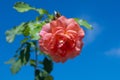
56 25
81 33
63 20
73 26
69 21
46 27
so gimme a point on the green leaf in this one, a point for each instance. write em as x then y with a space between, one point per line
33 63
42 11
24 40
11 61
10 36
39 75
50 16
19 29
30 29
39 18
22 7
37 72
34 35
35 28
27 54
26 30
48 77
84 23
22 56
16 66
48 65
33 44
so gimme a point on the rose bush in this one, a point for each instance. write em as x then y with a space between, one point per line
61 39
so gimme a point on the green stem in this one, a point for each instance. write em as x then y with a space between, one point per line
36 60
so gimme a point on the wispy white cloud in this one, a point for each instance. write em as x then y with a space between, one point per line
113 52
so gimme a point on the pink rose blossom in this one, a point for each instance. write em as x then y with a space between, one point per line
61 39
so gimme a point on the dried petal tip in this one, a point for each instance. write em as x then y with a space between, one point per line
56 15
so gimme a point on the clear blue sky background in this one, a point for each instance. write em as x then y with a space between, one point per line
100 57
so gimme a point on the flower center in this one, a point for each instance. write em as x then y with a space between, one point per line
61 43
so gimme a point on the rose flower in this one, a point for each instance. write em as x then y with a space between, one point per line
61 39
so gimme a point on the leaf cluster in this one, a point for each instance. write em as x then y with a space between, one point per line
30 31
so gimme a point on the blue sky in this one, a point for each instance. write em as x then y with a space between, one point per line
100 57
